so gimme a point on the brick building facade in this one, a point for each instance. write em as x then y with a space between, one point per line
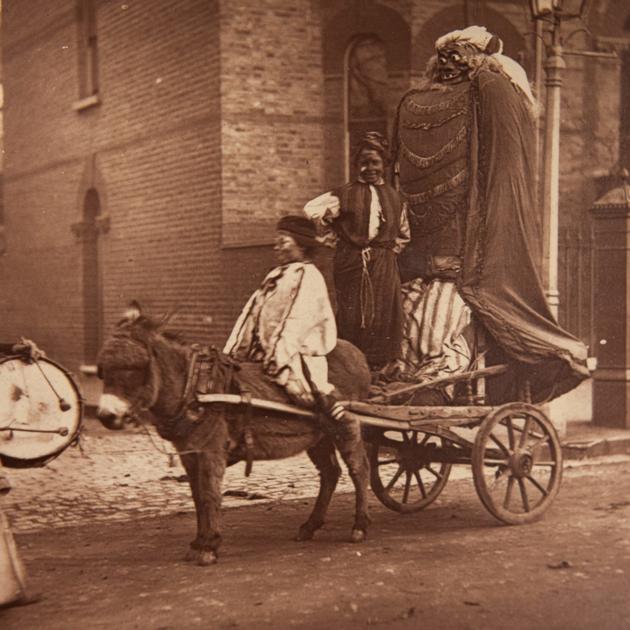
150 145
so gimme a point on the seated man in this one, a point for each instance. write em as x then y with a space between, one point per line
288 323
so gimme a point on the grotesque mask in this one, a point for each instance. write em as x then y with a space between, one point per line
453 62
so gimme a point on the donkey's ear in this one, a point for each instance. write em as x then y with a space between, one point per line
133 311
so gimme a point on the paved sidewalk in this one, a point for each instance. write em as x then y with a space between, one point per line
585 440
125 475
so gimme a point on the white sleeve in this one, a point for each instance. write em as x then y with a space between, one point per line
323 209
309 327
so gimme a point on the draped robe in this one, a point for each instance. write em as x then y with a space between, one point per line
466 167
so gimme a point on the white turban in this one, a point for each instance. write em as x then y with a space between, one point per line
479 37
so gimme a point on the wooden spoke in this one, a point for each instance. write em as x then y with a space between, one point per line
406 452
420 484
500 444
407 488
500 476
410 437
508 493
523 439
537 485
510 429
521 485
506 444
544 439
395 478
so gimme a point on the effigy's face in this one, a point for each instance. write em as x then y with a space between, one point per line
453 63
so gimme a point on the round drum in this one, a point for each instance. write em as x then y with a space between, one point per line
40 411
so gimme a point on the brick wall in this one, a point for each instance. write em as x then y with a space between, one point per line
215 118
154 141
271 86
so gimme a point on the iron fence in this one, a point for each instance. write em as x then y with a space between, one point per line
575 279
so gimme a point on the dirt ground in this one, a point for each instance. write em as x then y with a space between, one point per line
450 566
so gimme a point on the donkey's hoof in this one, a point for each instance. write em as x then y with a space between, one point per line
201 557
206 558
358 535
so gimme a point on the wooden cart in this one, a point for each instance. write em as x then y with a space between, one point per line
514 450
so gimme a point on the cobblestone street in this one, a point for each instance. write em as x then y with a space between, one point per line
123 475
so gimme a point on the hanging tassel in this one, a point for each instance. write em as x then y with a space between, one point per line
366 291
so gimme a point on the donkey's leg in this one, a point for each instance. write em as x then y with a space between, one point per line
324 458
190 463
211 466
206 466
350 444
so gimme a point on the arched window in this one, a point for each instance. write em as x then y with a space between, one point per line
366 92
87 48
366 63
92 300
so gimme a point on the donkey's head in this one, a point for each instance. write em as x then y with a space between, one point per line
128 366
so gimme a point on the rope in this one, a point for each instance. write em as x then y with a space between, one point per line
366 295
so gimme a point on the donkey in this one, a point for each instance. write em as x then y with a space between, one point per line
145 369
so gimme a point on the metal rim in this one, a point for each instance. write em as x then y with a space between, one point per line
517 463
402 476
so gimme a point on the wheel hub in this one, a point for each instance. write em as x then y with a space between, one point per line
521 463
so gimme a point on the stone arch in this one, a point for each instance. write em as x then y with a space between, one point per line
339 32
374 19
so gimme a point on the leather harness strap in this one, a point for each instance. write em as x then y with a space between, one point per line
246 428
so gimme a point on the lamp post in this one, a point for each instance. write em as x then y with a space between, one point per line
553 12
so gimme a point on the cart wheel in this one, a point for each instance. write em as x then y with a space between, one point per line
401 471
517 463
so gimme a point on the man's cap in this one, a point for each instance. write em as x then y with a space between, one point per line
300 228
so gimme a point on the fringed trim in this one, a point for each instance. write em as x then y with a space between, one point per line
459 102
425 126
420 161
439 189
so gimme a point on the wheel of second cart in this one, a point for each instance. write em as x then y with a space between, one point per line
517 463
403 474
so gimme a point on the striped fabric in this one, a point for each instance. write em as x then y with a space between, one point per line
433 342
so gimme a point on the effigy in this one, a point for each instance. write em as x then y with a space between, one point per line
464 145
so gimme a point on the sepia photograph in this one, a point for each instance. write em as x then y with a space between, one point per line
314 314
